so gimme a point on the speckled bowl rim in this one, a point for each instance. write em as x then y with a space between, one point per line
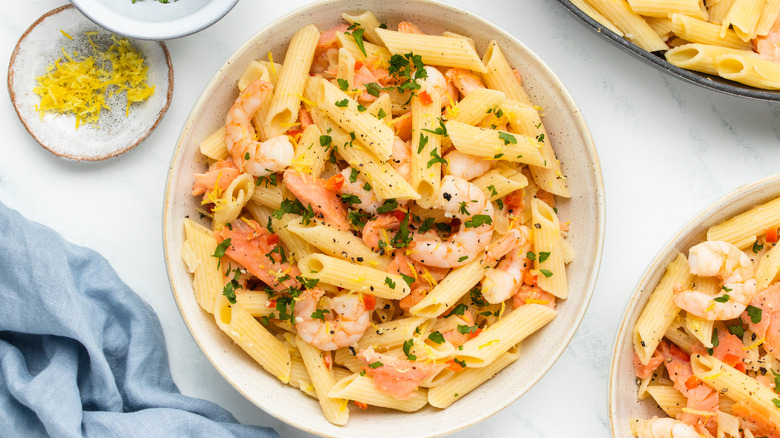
155 31
119 151
587 288
712 82
641 293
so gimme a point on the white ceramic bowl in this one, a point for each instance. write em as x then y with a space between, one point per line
623 403
585 209
152 20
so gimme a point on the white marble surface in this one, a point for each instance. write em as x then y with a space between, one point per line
667 150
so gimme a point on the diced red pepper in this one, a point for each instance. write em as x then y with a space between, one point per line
692 382
514 201
369 301
453 366
425 98
271 304
273 239
335 183
771 235
328 359
361 405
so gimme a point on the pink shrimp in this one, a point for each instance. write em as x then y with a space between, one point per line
327 48
407 27
250 155
219 176
666 428
401 157
532 294
768 328
424 278
768 47
340 323
465 81
373 230
363 76
396 377
251 247
502 281
312 191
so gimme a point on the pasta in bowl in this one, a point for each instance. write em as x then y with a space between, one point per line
367 245
697 348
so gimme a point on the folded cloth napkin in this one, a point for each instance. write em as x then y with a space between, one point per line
81 354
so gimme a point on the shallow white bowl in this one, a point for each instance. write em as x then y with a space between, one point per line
152 20
623 403
585 209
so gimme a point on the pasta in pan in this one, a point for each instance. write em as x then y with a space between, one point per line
734 39
383 222
707 343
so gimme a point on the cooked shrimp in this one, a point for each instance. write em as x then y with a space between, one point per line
733 267
369 202
768 328
532 294
502 281
340 322
666 428
312 191
424 278
465 80
251 246
250 155
407 27
327 49
218 177
768 47
439 83
376 230
396 377
465 201
401 158
466 166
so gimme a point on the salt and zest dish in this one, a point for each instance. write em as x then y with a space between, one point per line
707 343
383 222
736 40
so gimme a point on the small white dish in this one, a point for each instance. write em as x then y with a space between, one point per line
569 133
116 132
623 402
152 20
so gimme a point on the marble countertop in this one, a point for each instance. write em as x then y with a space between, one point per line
667 149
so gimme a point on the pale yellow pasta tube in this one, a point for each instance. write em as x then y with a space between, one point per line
214 145
362 389
495 144
750 223
292 79
367 21
505 334
343 110
743 17
342 244
346 275
456 385
668 398
253 338
768 17
633 26
299 377
445 294
373 51
433 49
699 31
700 328
197 252
700 57
551 272
346 70
767 268
254 71
660 311
268 194
474 107
495 185
391 334
310 154
298 247
382 109
229 205
717 10
254 302
662 26
500 76
664 8
425 175
749 70
594 14
323 379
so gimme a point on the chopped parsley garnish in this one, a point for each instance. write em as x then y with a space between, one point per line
221 248
350 199
426 225
229 291
462 363
367 187
308 283
358 35
403 237
754 313
776 401
757 248
342 103
540 138
715 342
466 329
725 288
441 130
531 256
497 156
271 179
390 282
373 89
320 314
353 175
777 380
478 220
357 218
459 310
407 279
462 209
279 250
423 142
508 138
722 299
407 347
736 330
436 337
388 206
325 140
493 191
376 364
546 273
436 158
460 259
444 228
343 84
543 256
361 108
381 114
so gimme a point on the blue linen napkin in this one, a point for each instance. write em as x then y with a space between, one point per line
81 354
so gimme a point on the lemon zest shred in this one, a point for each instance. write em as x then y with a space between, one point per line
537 301
487 344
754 345
66 35
273 64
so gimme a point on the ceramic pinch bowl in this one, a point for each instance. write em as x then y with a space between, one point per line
585 209
63 31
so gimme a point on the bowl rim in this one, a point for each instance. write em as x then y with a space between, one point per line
642 288
712 82
155 30
47 145
588 287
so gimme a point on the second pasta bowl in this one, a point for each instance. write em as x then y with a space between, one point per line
584 210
